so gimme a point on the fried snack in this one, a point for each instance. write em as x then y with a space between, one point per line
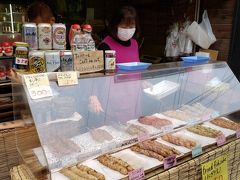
100 135
226 123
180 141
71 175
82 174
154 121
158 148
112 164
134 129
91 171
205 131
121 162
147 152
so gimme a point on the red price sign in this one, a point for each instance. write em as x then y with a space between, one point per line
169 162
136 174
21 61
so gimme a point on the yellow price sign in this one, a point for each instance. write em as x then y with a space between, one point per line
216 169
67 78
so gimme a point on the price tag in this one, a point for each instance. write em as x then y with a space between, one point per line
136 174
238 133
21 61
216 169
38 85
215 114
167 129
169 162
143 136
197 150
67 78
221 140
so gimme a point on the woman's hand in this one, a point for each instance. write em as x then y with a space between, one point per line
94 105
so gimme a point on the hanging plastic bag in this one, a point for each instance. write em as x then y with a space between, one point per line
201 34
206 25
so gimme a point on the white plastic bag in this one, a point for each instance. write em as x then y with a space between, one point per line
201 34
206 25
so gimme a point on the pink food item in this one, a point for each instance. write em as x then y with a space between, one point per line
154 121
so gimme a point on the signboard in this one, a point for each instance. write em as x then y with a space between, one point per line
216 169
38 85
67 78
136 174
88 61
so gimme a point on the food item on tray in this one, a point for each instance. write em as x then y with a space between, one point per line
154 121
159 148
222 122
71 175
100 135
115 164
82 174
91 171
60 146
178 115
205 131
180 141
134 129
149 153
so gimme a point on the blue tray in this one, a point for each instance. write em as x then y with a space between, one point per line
195 59
132 66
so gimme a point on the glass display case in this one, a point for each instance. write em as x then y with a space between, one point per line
108 114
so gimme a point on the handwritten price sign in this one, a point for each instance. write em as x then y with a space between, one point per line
38 85
136 174
67 78
21 61
216 169
169 162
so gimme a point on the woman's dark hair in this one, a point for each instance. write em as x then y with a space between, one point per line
39 9
125 14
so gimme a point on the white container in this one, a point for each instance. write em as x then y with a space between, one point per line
66 60
45 36
30 35
59 36
52 61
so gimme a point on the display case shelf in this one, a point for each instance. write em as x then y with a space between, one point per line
73 129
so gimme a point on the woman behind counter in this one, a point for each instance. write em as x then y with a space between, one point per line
122 29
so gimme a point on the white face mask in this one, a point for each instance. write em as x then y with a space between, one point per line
124 34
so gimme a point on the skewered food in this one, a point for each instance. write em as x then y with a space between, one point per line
134 129
91 171
71 175
225 123
82 174
149 153
115 164
154 121
205 131
100 135
180 141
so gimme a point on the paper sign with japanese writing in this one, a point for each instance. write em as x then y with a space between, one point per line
88 61
136 174
67 78
216 169
38 85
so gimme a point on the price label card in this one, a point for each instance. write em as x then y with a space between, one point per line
238 133
21 61
38 85
167 129
216 169
143 136
67 78
136 174
221 140
169 162
197 150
